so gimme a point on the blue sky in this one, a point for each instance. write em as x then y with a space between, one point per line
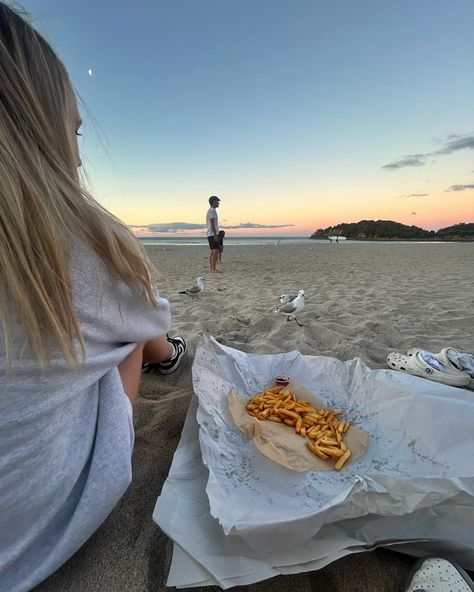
271 103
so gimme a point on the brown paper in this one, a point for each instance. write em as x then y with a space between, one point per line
280 443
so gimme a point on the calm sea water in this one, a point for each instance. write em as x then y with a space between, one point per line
263 240
198 240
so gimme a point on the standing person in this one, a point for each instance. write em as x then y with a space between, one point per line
212 224
78 317
221 244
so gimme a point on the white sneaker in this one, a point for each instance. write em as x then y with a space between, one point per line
438 575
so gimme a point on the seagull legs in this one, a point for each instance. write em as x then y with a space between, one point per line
288 318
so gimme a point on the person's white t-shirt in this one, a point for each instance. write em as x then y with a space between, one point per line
211 215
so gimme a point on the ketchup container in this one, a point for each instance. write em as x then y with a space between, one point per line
281 380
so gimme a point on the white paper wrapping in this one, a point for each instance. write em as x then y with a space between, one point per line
419 453
204 555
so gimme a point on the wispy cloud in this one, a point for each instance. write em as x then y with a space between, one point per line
173 227
170 226
414 195
406 161
460 187
456 143
254 225
452 143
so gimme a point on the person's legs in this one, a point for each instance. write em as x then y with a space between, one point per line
161 354
438 575
157 349
210 260
130 371
211 253
215 253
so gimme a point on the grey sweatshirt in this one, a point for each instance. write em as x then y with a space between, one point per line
66 435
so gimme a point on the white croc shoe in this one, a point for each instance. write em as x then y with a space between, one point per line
438 575
462 361
451 358
414 364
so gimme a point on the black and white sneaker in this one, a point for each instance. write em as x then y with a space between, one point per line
168 366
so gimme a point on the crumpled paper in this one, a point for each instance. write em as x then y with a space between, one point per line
283 445
417 457
182 512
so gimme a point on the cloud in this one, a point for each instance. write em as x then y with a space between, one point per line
460 187
254 225
457 143
170 226
406 161
452 143
174 227
414 195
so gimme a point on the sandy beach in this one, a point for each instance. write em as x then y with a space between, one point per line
362 300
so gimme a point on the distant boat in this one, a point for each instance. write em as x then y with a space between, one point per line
336 239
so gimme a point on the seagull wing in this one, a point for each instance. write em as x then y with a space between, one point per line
285 298
194 289
288 308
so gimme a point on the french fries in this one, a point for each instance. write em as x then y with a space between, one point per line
322 428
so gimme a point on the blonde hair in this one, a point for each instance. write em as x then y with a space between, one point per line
42 202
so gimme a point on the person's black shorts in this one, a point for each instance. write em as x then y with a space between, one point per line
213 244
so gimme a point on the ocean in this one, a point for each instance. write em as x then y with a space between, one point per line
264 240
231 240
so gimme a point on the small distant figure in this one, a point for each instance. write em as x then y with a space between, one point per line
220 236
212 224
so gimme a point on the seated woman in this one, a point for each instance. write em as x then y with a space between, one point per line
78 318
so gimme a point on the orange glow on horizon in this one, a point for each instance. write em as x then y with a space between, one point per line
308 212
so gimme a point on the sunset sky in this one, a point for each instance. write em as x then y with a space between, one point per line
298 114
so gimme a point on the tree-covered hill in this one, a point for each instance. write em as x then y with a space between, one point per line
389 230
457 231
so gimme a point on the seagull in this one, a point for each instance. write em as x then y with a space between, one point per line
193 291
285 298
293 307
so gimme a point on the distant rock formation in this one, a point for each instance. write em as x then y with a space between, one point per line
389 230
